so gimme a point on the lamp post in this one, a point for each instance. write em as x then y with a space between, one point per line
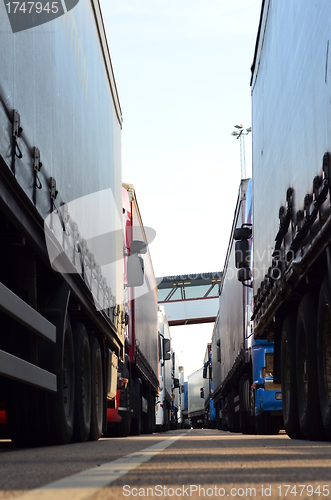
240 134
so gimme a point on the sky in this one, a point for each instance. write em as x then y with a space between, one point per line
182 69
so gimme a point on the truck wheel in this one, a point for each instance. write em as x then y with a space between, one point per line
82 420
96 390
310 417
244 412
288 379
324 353
62 404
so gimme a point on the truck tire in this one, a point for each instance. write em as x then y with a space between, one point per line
310 418
82 419
288 379
244 399
324 353
96 390
62 404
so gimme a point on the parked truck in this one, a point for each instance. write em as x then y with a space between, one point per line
61 251
181 398
244 393
210 411
175 388
196 401
291 267
186 421
138 374
165 382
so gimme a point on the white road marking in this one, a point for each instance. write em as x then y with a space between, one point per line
84 484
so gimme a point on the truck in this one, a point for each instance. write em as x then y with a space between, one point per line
186 422
61 252
291 267
210 411
138 379
196 401
175 388
246 398
165 381
181 399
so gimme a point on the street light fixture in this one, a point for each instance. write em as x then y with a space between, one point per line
240 134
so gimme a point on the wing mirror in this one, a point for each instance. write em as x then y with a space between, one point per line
166 349
176 383
135 271
138 246
242 254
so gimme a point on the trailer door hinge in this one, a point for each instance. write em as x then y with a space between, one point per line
37 166
53 190
17 130
36 160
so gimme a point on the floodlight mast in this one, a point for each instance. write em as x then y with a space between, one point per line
240 134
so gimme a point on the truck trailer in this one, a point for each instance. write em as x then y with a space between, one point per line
165 381
181 398
186 422
175 388
244 393
61 251
210 410
291 268
196 401
138 383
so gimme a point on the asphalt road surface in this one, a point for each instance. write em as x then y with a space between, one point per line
179 464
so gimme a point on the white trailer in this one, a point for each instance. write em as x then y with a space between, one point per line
196 401
163 406
291 269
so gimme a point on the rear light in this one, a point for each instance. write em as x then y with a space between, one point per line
278 395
